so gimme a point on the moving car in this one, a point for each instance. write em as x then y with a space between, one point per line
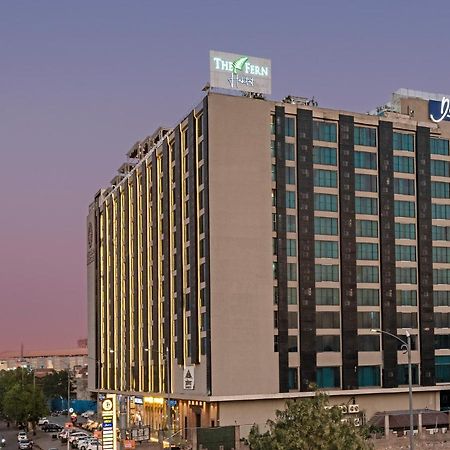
22 436
43 421
84 443
25 444
87 414
94 446
2 441
48 427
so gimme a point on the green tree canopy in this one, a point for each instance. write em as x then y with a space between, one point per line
308 424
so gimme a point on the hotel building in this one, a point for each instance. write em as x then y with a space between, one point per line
257 243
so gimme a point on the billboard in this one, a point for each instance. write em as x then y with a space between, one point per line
109 423
240 72
439 110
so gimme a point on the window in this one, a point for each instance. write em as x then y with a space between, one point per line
272 149
292 344
365 160
368 297
289 151
441 320
292 295
441 276
402 374
441 298
406 275
441 254
272 124
403 164
289 126
404 186
291 247
290 223
403 141
292 271
328 343
292 320
290 199
368 376
326 249
439 146
274 172
366 183
405 231
274 246
275 343
441 341
368 343
328 377
292 378
441 233
366 251
323 131
275 319
440 168
442 369
366 205
406 320
440 211
290 175
274 222
366 228
326 226
274 197
275 295
440 190
368 319
325 178
326 319
404 208
327 296
406 298
405 253
325 155
367 274
325 202
365 136
326 273
274 270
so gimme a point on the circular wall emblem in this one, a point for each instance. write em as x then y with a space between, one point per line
90 235
107 405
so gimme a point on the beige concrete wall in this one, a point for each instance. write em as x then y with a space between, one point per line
246 413
243 360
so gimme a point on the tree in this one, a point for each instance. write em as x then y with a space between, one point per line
308 424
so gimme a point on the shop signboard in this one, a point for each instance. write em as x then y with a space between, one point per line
109 422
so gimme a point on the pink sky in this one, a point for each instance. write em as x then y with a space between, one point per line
80 82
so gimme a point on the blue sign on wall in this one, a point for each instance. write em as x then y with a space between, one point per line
439 110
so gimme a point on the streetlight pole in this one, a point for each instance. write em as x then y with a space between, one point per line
405 346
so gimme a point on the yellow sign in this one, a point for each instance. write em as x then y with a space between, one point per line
109 422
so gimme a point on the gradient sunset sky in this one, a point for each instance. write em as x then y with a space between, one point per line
81 81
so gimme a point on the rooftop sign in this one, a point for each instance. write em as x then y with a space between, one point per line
240 72
439 110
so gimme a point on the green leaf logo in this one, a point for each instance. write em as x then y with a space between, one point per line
238 65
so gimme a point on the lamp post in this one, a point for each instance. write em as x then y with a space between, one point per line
406 346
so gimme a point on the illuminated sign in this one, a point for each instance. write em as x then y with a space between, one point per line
240 72
439 110
109 422
189 377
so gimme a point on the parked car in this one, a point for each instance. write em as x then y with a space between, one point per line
77 434
22 436
43 421
87 414
94 446
26 444
84 443
2 441
51 427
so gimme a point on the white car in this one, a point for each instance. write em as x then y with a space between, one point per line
75 436
94 446
83 444
87 414
42 421
22 436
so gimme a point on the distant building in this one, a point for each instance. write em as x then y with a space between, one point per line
44 359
